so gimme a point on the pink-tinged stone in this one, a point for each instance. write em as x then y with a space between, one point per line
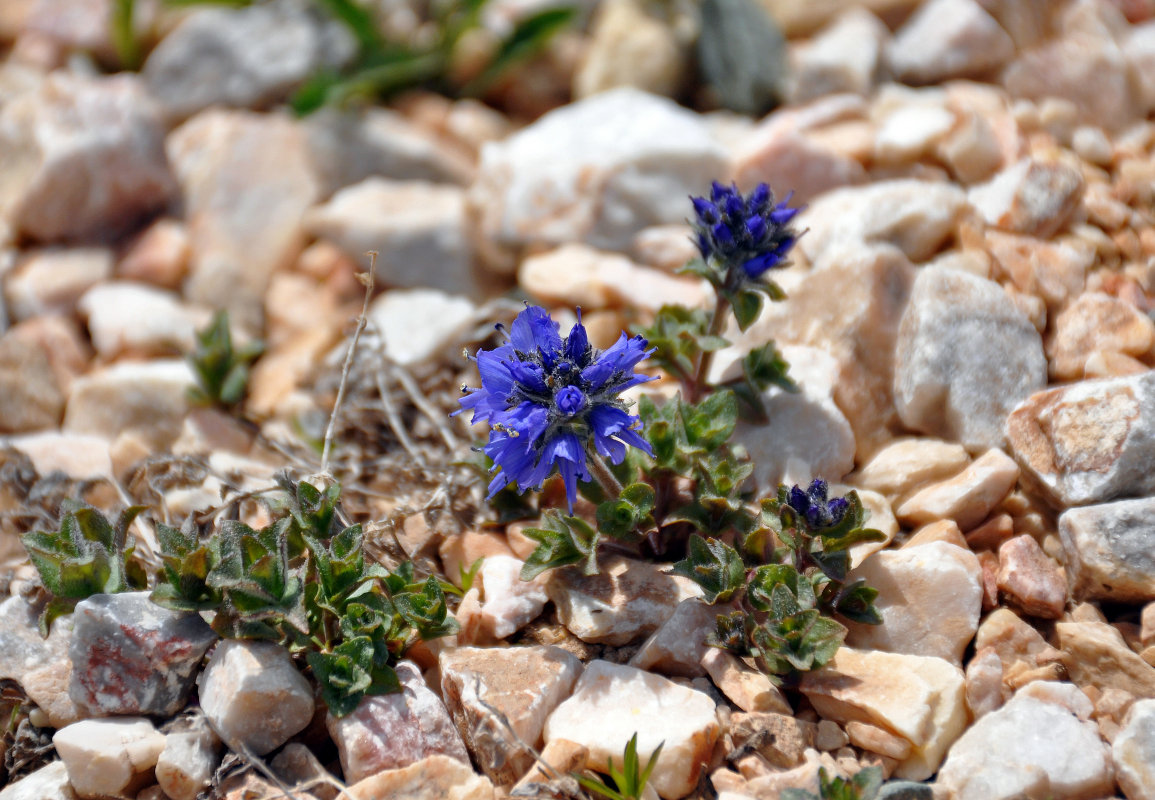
130 656
435 777
1031 579
1053 271
1096 323
1030 197
790 157
677 647
524 683
948 39
393 731
1087 442
968 497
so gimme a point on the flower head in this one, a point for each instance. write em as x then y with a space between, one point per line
548 398
750 233
812 505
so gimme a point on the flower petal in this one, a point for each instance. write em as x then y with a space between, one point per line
535 331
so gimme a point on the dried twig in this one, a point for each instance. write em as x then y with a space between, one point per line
436 416
394 419
362 320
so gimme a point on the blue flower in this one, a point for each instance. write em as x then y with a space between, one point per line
548 399
749 233
812 505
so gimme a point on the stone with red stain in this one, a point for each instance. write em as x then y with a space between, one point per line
1088 442
130 656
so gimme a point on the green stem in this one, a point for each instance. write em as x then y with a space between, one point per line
717 324
601 473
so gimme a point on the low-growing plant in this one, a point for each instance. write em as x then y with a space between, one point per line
627 783
865 785
221 370
670 482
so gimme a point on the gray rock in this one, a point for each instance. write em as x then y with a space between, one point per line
1110 550
191 754
394 731
1090 441
243 58
81 158
905 790
947 39
1134 752
966 356
597 171
130 656
22 648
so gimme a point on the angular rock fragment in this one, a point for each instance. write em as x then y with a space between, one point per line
1110 550
1031 579
908 463
677 647
744 686
185 767
968 497
1133 752
509 603
109 757
1095 654
781 739
611 703
1030 197
46 783
947 39
1096 323
435 777
148 399
131 656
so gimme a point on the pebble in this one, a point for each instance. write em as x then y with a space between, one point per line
632 46
435 777
395 731
910 131
190 757
509 603
1004 754
239 238
253 696
47 783
908 463
919 698
612 702
1087 442
525 684
1133 752
1095 654
1031 579
598 170
104 134
1139 50
968 497
133 319
972 150
418 230
296 765
420 325
131 656
746 687
677 647
965 357
844 57
52 280
779 738
986 691
31 397
1031 197
244 57
627 601
159 256
1096 323
109 757
947 39
22 648
929 599
1055 271
148 399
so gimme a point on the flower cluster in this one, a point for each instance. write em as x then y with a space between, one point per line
812 505
546 397
751 233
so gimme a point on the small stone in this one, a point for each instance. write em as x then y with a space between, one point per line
435 777
1095 654
253 696
843 57
1133 752
508 602
1031 578
910 131
779 738
597 171
677 647
395 731
22 648
877 740
1092 145
612 702
133 319
47 686
562 755
30 394
830 736
626 601
631 46
459 553
296 765
745 686
146 398
131 656
109 757
47 783
102 134
947 39
418 230
524 683
906 464
986 691
159 256
920 698
1087 442
1055 271
1005 754
929 599
944 530
51 281
420 325
1030 197
190 757
954 329
1094 323
966 498
972 150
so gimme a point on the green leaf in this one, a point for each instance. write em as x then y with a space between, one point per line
856 602
221 371
680 336
732 632
747 305
713 565
563 541
528 38
359 22
628 517
742 55
710 423
426 610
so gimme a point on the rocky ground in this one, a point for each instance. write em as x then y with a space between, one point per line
969 318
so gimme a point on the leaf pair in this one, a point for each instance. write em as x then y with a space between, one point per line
221 370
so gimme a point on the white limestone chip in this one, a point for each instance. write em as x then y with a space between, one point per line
109 757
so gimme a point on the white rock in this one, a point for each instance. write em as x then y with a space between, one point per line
598 171
909 463
968 497
843 57
109 757
186 765
909 132
1139 49
509 603
612 702
1030 747
916 216
82 157
246 181
244 57
418 324
46 783
632 46
966 356
677 647
1030 196
149 398
929 598
746 687
50 281
435 777
417 229
253 696
920 698
128 317
1110 550
948 39
1133 752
